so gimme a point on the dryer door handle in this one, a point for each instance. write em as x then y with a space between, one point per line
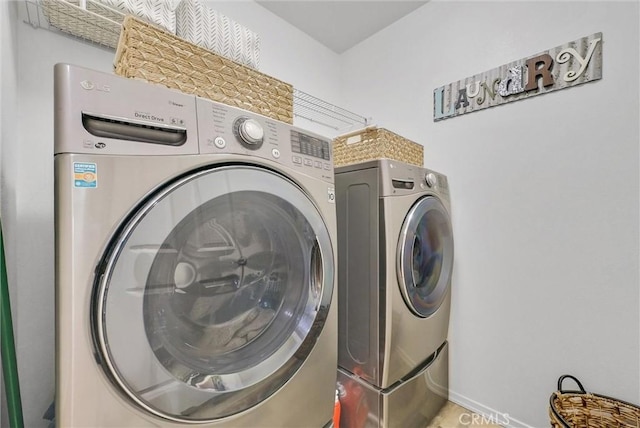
316 270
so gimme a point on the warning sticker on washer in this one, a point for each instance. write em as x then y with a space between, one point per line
85 175
331 195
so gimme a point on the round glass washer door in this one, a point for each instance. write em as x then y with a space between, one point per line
425 256
213 293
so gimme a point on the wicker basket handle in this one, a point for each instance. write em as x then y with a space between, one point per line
563 377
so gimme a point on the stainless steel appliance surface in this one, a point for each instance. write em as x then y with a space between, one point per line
410 402
195 261
395 252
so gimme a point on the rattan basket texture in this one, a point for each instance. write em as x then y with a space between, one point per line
375 143
152 54
581 409
97 22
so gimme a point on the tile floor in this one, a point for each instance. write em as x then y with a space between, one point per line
454 416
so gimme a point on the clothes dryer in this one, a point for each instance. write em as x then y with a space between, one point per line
195 265
395 247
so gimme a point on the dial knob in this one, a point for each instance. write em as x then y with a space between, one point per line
250 131
431 179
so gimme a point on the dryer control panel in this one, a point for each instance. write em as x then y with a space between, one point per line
399 178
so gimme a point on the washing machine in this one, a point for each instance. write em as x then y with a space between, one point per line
195 261
395 247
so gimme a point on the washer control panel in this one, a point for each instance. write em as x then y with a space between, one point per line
310 151
224 129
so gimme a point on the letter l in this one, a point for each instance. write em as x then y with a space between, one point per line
438 101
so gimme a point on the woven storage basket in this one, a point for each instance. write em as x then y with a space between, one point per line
149 53
97 23
375 143
581 409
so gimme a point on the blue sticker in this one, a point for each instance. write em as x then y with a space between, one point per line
85 175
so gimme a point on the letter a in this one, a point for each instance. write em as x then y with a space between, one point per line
462 98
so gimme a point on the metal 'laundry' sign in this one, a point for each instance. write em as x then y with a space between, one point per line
568 65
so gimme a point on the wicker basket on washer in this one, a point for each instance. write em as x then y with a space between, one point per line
149 53
375 143
581 409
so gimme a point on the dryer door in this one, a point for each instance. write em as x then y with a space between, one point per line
425 256
213 293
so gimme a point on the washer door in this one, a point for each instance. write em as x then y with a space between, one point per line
425 256
213 293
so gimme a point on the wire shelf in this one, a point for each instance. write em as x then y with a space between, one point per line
324 113
92 21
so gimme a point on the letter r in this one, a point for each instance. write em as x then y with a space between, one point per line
545 62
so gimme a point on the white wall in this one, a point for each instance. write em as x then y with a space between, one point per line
287 54
545 195
8 114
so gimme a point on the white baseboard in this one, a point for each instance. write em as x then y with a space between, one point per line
488 415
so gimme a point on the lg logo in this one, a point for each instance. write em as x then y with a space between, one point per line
89 85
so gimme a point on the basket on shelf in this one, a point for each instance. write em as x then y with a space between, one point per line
581 409
95 22
149 53
375 143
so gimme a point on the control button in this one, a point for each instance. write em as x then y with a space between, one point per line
331 195
296 159
308 162
249 131
220 142
431 179
275 153
317 164
327 167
